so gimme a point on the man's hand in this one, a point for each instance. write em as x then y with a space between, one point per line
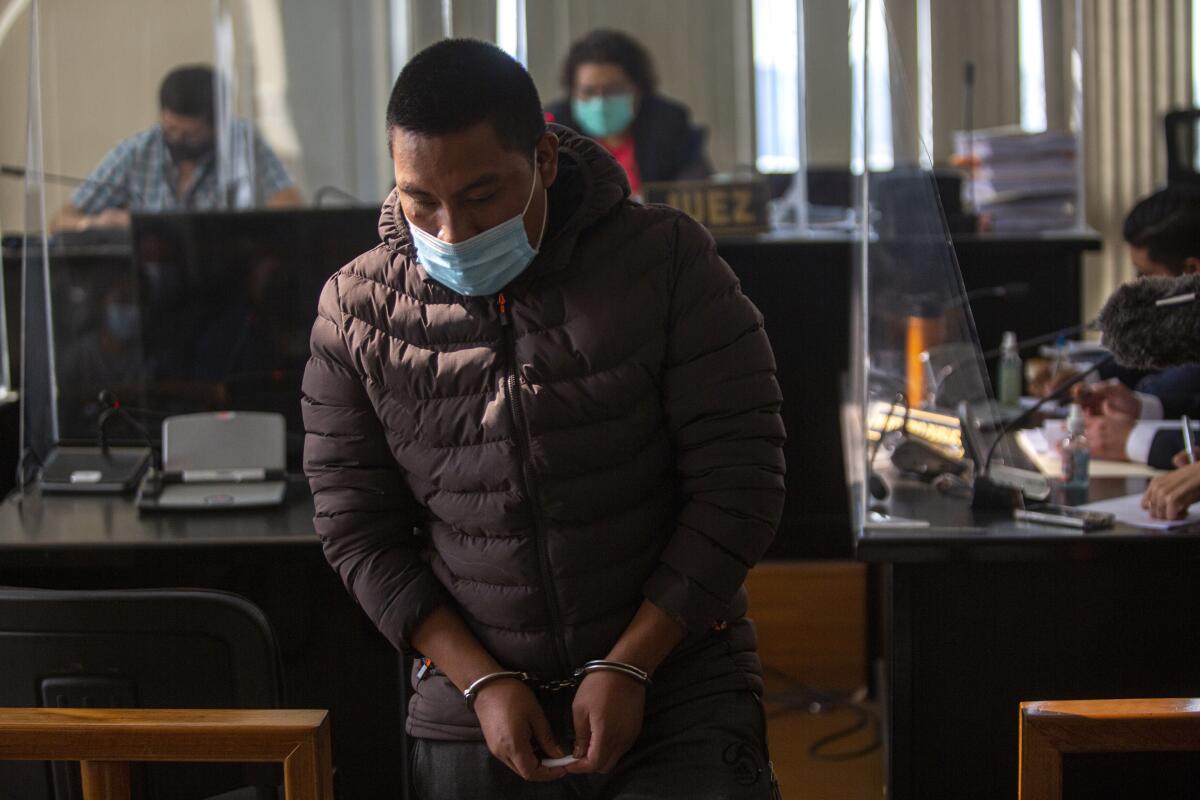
508 712
1181 458
608 711
1108 434
1109 399
1169 495
512 720
108 218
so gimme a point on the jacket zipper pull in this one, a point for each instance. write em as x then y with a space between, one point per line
502 305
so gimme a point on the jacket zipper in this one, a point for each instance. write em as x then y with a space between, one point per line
513 391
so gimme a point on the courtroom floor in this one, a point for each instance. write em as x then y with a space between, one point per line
802 777
812 627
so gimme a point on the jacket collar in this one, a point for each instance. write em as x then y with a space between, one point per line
587 176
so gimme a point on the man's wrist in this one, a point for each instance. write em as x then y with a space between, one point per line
484 681
1139 443
1149 406
650 637
622 668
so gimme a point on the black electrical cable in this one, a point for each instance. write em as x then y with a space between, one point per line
801 697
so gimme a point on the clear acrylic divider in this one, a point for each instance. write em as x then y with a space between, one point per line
917 370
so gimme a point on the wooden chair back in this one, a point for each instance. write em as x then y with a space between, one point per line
1050 728
105 741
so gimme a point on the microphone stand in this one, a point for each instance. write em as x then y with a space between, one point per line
10 171
941 376
991 496
114 409
969 126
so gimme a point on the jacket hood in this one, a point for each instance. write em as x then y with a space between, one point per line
590 183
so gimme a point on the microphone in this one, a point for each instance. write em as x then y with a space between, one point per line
336 191
113 408
101 469
1007 290
1052 336
14 171
1151 323
150 485
948 389
969 126
991 495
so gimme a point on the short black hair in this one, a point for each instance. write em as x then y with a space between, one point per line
1167 224
188 91
605 46
458 83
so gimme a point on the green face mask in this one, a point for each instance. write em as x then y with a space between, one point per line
604 116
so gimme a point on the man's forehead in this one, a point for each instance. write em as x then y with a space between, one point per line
462 155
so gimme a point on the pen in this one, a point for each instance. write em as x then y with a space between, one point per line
1186 424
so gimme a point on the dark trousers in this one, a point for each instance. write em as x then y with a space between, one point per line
711 748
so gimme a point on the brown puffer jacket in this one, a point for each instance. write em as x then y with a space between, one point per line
613 436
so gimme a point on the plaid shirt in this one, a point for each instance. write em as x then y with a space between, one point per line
138 174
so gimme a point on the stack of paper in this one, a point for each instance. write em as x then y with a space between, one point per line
1019 182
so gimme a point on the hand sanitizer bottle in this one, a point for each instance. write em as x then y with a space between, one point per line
1008 372
1076 458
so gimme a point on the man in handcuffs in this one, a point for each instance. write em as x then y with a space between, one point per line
544 445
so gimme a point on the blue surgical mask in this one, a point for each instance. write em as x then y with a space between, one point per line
124 321
604 115
485 263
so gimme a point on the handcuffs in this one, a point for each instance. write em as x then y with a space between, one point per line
599 665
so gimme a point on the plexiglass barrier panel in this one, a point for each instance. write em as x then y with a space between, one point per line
917 369
124 183
115 132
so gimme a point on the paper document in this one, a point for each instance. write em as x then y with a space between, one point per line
1040 444
1129 510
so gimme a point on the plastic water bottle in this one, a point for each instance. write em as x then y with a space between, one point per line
1008 372
1076 458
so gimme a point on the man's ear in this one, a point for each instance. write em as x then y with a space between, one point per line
1191 265
547 159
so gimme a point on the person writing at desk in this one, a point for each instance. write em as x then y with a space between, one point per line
544 446
172 165
1169 495
1163 233
611 86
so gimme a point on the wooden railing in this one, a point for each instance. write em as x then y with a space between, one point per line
1051 728
105 741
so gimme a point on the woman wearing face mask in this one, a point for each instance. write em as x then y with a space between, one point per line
610 82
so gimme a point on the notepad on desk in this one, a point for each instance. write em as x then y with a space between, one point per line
1128 509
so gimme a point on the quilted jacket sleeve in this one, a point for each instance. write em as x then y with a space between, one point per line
722 403
365 513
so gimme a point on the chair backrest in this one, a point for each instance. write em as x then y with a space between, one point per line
104 741
1051 728
1182 128
168 648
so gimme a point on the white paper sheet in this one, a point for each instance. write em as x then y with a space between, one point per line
1037 444
1128 509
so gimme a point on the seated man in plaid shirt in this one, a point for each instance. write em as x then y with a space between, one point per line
172 165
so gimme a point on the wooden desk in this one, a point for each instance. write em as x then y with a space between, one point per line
982 613
333 657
